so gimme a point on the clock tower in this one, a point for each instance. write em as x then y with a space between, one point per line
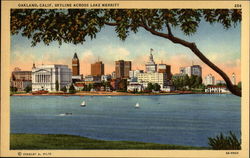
75 66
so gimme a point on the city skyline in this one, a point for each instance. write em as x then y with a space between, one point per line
214 41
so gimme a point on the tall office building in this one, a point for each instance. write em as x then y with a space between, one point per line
127 68
209 80
122 68
150 65
163 68
196 70
191 70
185 71
75 66
97 69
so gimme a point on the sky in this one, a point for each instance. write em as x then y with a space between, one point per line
219 45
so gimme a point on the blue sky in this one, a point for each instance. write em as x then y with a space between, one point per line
221 46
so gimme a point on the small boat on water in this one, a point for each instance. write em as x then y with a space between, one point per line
137 105
83 104
65 114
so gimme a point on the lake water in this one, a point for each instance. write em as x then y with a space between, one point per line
169 119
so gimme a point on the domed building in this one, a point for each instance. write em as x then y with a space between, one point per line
150 65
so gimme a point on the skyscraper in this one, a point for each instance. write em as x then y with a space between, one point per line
196 70
75 66
127 68
163 68
122 68
191 70
150 65
97 69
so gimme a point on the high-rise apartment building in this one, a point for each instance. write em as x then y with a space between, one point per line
97 69
122 68
75 66
191 70
209 80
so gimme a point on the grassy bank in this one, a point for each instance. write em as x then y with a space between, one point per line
59 141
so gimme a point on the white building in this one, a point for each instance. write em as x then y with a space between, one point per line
134 73
217 89
191 70
168 88
233 79
152 77
134 87
113 75
150 65
209 80
105 78
44 77
185 70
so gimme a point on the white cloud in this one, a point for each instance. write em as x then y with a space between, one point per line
117 54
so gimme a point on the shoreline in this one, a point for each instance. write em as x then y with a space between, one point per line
22 141
112 94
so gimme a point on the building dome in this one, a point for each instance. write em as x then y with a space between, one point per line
150 65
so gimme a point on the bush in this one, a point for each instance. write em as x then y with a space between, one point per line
72 89
222 142
13 89
64 89
28 89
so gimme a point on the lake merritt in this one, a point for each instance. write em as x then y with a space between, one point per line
166 119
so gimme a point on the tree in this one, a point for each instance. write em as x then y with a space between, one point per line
156 87
64 89
74 25
72 89
198 81
176 82
27 89
239 85
57 85
186 80
192 81
122 85
221 142
13 89
150 87
90 86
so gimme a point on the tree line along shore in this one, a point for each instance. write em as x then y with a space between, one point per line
107 93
